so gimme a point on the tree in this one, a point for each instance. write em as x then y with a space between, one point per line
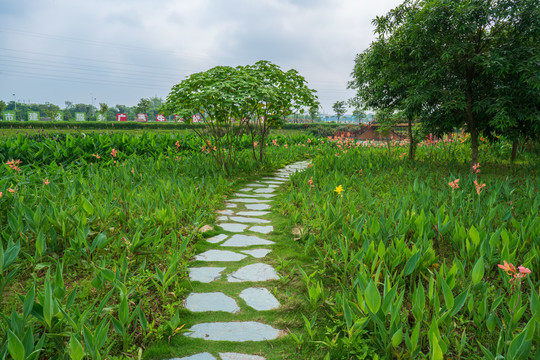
339 109
232 101
103 109
2 106
143 106
314 113
447 64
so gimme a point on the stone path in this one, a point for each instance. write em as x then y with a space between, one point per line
244 216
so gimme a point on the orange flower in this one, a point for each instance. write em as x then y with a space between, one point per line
46 181
11 190
114 152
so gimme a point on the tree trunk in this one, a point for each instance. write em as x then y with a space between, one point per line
514 151
472 123
412 143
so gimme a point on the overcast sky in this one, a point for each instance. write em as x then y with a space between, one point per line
118 51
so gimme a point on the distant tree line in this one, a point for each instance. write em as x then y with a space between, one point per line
149 106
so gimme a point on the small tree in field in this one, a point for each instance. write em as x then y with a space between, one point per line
339 109
234 101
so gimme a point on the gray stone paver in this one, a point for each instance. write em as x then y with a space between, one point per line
233 227
249 220
225 212
259 298
217 239
234 331
258 206
267 190
219 255
236 356
201 356
254 272
257 253
262 229
214 301
250 200
205 274
266 196
240 240
253 213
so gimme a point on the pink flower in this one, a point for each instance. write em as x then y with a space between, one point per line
46 181
476 168
454 184
114 152
0 194
11 190
478 186
177 143
509 268
255 144
97 156
309 141
286 146
524 270
310 182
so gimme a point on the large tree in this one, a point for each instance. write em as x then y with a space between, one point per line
454 64
231 101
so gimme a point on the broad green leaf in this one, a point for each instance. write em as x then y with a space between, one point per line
15 346
76 351
448 296
478 271
123 310
411 263
397 337
372 297
474 235
347 313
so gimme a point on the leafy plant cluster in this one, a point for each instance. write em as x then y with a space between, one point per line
93 253
405 255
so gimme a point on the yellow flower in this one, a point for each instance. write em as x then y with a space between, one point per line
339 189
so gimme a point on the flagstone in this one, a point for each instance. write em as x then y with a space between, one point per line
259 298
217 239
214 301
247 189
258 206
237 356
249 201
266 196
205 274
257 253
234 331
225 212
233 227
274 182
223 218
220 255
252 213
230 205
201 356
254 272
256 185
265 190
262 229
239 240
250 220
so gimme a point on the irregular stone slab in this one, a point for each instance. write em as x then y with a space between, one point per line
257 253
247 189
237 356
258 206
259 298
223 218
225 212
201 356
233 227
206 228
217 239
214 301
266 190
238 240
205 274
266 196
262 229
249 201
252 213
273 186
253 272
230 205
234 331
249 220
256 185
274 181
219 255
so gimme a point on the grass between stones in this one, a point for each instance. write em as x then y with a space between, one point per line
289 290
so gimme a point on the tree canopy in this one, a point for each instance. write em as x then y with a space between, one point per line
451 64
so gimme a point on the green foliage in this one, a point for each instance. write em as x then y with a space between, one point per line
339 109
411 262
